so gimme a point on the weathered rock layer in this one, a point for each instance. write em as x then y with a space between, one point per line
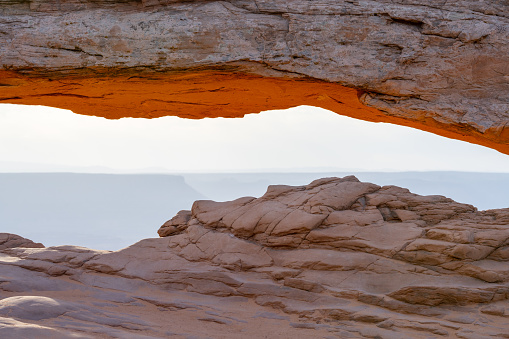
337 258
441 67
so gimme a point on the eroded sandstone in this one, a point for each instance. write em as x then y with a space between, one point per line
337 258
440 67
8 240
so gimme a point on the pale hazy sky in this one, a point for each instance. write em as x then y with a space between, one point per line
36 138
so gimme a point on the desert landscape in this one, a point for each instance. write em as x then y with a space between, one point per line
336 257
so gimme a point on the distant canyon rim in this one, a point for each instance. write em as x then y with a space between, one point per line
441 67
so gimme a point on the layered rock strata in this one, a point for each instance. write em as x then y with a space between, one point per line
337 258
8 240
439 66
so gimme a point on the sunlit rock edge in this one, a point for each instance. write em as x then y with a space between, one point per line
440 67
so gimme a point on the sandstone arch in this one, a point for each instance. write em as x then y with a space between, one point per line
439 67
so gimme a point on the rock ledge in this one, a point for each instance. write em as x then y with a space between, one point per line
337 258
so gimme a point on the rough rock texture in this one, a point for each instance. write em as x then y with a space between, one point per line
440 66
334 259
8 240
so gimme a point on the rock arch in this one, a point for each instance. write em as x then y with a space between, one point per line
443 67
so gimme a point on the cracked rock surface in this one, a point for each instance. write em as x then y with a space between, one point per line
337 258
439 66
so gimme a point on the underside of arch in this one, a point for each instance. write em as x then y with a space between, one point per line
211 93
443 68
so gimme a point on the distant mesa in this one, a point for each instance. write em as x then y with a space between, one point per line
334 258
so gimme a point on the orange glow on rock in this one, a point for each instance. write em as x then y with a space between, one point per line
197 94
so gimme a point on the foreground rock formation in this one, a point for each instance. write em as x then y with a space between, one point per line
334 259
440 66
